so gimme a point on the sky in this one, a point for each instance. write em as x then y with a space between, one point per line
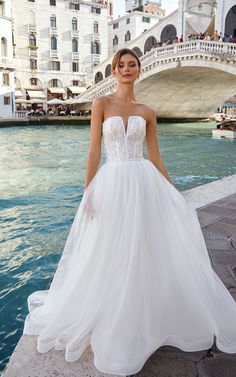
119 6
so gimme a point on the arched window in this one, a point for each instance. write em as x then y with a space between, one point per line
2 8
74 24
3 46
127 36
95 48
95 27
115 40
32 40
53 21
53 43
31 18
74 45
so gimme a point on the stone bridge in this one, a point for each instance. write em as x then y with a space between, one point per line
183 80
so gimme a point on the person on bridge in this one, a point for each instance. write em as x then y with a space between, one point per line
135 273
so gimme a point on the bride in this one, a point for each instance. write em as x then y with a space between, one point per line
135 273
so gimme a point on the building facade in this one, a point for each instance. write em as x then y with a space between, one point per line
130 5
126 28
57 45
7 107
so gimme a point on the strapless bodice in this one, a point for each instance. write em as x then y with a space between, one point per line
124 143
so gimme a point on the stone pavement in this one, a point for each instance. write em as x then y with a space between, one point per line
218 223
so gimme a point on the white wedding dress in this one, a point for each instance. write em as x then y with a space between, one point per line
135 273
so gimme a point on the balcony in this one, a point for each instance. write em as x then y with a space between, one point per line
54 54
33 53
75 55
53 30
74 33
96 58
32 29
7 63
96 37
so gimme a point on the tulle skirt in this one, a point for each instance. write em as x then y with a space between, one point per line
135 275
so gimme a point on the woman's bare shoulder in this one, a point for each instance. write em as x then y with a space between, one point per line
101 99
149 112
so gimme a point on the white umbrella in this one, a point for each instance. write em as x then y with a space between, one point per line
21 100
37 100
55 101
71 101
78 100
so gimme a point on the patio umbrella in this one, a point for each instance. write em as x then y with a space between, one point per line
21 100
55 101
36 100
78 100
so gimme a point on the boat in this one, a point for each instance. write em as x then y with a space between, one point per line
220 117
226 129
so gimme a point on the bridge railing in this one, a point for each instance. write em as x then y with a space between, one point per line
178 49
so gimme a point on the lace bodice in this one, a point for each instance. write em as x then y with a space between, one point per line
124 143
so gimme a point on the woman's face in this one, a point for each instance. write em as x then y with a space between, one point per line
127 69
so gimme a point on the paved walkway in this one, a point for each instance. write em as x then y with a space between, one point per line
218 222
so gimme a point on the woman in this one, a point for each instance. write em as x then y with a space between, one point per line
135 272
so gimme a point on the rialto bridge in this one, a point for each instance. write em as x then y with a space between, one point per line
183 80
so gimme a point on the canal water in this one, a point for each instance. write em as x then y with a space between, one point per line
42 172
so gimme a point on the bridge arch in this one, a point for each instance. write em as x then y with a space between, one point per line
150 43
230 22
108 70
98 77
168 33
137 51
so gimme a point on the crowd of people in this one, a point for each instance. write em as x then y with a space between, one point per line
219 37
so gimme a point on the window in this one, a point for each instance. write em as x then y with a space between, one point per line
6 100
145 19
32 40
127 36
74 24
116 25
128 21
3 46
53 21
33 64
2 8
55 83
74 45
5 79
74 6
115 40
95 10
53 2
95 27
95 48
75 66
75 83
33 81
53 43
55 65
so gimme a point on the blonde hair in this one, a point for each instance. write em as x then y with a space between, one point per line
120 53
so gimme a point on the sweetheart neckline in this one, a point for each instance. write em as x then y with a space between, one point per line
120 117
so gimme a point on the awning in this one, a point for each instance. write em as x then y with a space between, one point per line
36 94
18 93
56 90
77 89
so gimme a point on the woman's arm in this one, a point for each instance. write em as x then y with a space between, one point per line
152 146
94 150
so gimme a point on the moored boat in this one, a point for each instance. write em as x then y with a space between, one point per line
226 129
